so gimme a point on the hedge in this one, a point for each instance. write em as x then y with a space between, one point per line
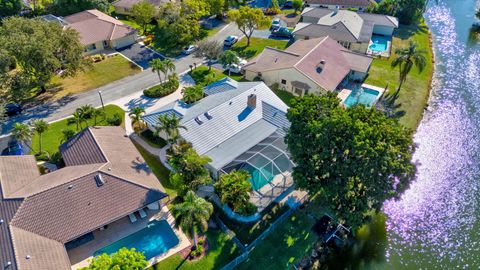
162 90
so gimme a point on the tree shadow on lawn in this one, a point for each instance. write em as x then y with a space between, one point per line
245 52
389 106
407 31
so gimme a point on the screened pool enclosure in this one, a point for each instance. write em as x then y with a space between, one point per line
268 162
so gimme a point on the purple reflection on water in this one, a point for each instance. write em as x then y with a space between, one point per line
435 224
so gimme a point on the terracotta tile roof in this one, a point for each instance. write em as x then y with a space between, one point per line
95 26
16 172
8 208
305 56
73 151
72 209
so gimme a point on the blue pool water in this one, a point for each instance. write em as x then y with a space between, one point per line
258 177
379 44
157 238
362 95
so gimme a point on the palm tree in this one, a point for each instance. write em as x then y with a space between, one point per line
78 119
192 215
136 116
229 58
159 67
169 67
40 126
67 135
408 57
96 113
86 112
22 133
192 94
170 124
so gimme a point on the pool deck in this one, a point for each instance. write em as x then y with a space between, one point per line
344 93
272 191
81 256
382 54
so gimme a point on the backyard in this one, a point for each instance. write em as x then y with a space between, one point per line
221 251
256 46
53 137
101 73
408 105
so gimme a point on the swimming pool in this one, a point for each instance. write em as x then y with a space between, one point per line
379 44
258 177
157 238
362 95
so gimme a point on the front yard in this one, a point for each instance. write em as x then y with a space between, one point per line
202 75
53 137
256 46
412 98
221 251
101 73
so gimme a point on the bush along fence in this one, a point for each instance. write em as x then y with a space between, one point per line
247 249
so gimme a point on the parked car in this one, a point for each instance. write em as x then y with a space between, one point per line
282 32
230 40
288 5
12 109
275 24
190 49
237 68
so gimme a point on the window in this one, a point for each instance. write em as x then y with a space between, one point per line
284 81
90 47
105 44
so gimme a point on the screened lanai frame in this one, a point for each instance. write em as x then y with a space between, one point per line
265 161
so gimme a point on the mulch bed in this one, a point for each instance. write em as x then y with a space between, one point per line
185 253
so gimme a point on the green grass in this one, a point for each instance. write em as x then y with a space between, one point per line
202 75
256 46
288 243
104 72
221 251
248 232
285 96
162 173
152 140
412 98
52 138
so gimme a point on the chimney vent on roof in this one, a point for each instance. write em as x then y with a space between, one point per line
321 66
99 180
27 257
335 10
252 101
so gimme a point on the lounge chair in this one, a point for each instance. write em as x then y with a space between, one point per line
142 213
132 218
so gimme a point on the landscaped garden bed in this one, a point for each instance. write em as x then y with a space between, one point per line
162 90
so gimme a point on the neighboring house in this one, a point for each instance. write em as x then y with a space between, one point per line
124 7
309 66
97 30
351 29
332 4
239 125
43 216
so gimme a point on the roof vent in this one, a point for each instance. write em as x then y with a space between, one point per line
321 66
99 180
109 169
27 257
9 263
208 115
198 120
1 221
230 103
252 101
70 186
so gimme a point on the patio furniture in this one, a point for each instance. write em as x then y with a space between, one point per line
142 213
132 218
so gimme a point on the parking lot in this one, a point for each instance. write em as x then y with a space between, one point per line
140 54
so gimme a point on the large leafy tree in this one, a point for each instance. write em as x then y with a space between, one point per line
189 167
211 50
10 7
355 159
143 13
67 7
41 48
408 57
170 125
192 94
248 19
192 215
40 126
123 259
234 188
297 5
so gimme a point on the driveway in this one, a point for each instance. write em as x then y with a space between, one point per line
140 54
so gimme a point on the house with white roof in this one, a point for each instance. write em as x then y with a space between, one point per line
240 126
356 31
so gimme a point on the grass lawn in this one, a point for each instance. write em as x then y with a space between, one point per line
256 46
248 232
285 96
52 138
162 173
412 98
289 242
221 251
101 73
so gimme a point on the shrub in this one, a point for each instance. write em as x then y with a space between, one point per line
247 209
115 120
272 11
163 89
43 156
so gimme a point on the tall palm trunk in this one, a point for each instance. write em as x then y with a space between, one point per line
40 141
